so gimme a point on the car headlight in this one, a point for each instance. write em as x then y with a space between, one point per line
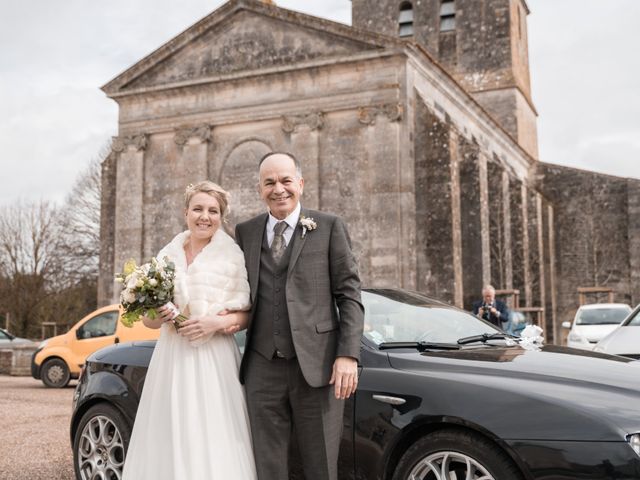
42 344
576 337
634 442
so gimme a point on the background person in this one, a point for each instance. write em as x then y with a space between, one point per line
490 309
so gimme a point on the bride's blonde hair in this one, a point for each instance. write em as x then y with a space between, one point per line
210 188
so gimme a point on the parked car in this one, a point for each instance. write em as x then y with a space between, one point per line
9 340
441 395
624 340
59 359
593 322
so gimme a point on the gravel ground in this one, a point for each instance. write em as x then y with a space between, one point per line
34 430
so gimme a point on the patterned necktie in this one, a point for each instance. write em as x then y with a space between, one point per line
278 246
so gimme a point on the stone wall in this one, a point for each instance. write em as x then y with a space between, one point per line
435 191
17 360
596 233
487 53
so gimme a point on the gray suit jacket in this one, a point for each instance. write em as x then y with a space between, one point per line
323 293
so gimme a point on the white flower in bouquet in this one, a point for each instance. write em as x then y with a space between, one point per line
128 296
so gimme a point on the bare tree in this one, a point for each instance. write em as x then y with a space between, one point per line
49 256
79 224
28 240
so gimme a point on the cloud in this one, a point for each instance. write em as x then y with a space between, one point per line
584 80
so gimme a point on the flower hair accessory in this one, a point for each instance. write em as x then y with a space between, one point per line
307 224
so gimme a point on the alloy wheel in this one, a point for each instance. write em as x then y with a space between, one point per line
55 374
101 450
449 466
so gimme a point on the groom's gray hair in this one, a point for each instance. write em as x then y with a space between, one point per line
290 155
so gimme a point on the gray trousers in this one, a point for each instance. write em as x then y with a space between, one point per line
280 401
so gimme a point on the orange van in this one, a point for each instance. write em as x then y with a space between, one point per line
59 359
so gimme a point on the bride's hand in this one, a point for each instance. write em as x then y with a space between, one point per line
164 315
198 327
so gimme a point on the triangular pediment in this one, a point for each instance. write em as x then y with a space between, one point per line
243 36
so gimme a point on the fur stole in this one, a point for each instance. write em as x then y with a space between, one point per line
215 280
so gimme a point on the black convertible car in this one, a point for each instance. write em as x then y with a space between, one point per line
442 396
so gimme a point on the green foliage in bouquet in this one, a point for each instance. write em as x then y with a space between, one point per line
145 288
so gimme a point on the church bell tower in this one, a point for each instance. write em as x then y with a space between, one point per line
482 43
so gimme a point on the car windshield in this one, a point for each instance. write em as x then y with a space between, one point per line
635 321
398 316
602 316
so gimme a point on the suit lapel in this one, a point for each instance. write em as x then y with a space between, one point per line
255 249
298 243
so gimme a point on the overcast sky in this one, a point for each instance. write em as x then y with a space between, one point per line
55 54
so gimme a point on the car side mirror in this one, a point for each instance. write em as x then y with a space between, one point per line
566 324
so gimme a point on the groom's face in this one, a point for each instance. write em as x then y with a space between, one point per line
280 185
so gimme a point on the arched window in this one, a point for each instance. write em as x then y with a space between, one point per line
447 15
405 19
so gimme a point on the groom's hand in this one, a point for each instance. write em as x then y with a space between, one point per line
344 377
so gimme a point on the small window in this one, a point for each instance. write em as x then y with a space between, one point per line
447 15
100 326
405 20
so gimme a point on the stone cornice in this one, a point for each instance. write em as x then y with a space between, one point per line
275 111
314 120
121 143
183 134
262 72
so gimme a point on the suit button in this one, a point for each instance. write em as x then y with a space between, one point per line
276 303
277 289
276 332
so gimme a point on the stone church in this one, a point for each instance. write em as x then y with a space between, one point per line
416 125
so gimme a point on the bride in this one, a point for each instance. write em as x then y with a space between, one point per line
192 420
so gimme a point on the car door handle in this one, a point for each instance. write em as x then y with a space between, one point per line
390 400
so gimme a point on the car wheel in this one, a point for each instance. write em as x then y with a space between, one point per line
55 373
455 455
100 444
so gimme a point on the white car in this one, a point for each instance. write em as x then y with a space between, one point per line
624 340
594 322
8 340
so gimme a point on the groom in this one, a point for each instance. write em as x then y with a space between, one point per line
306 320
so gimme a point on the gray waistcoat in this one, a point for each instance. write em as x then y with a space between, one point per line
271 328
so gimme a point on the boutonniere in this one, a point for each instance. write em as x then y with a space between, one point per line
307 224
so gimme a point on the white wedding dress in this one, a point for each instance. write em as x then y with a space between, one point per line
192 421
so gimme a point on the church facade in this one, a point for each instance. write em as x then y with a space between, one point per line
416 125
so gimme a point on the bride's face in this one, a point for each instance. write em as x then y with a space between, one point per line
203 216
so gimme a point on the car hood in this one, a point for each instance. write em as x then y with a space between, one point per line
593 383
57 340
623 340
593 333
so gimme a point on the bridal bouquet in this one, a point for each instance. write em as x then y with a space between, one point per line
147 287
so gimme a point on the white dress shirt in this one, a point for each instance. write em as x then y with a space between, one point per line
291 221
